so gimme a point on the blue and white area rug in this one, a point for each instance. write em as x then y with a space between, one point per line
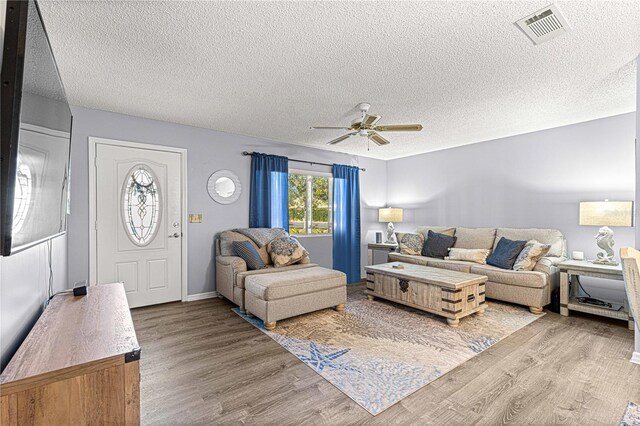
378 353
631 415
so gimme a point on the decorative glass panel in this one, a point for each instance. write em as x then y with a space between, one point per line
141 205
22 196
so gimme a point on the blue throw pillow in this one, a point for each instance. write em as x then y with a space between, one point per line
249 254
438 245
505 253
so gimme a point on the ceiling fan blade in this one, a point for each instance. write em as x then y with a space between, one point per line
370 119
329 127
341 138
398 128
378 139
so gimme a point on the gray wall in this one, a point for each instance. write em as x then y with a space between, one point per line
637 211
530 180
24 280
208 151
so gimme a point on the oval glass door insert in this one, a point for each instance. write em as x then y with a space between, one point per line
141 205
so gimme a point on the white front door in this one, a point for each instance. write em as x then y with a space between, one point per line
139 222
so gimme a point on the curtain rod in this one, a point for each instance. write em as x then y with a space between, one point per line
303 161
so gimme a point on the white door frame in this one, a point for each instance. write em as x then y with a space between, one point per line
93 142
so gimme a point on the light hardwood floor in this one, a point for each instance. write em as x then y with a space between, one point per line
203 364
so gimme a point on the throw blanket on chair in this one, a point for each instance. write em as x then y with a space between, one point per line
261 236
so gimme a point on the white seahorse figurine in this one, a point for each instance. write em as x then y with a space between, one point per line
605 241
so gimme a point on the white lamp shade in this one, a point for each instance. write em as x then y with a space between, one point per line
390 214
606 213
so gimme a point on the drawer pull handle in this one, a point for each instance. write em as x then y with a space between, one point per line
404 286
471 298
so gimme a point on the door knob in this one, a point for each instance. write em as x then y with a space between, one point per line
175 235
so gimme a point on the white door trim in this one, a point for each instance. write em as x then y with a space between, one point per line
93 142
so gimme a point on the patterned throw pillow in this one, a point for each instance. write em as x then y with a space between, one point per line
437 244
249 254
505 253
285 251
530 255
469 255
410 243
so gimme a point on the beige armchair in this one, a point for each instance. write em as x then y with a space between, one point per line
231 270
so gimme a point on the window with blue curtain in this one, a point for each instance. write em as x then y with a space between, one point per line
268 205
346 221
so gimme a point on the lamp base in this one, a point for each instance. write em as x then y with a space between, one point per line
605 241
391 235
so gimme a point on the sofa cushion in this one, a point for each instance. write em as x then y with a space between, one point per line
469 255
475 238
280 285
227 238
446 230
532 279
408 258
452 265
285 251
529 256
249 254
410 243
545 236
437 245
505 253
241 276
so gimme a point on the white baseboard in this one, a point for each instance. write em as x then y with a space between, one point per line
202 296
635 358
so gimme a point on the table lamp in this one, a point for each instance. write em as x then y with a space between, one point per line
390 214
605 214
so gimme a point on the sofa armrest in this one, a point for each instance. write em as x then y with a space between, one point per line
235 262
549 265
227 267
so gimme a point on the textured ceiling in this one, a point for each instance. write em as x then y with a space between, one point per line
272 69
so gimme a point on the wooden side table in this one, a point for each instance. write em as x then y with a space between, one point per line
568 294
378 246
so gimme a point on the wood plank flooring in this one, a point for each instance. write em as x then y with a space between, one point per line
203 364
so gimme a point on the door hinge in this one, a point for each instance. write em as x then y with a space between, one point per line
95 225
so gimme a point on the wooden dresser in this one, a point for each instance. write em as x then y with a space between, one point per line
78 365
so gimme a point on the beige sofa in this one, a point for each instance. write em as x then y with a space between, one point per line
529 288
275 293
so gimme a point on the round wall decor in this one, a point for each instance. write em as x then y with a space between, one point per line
224 187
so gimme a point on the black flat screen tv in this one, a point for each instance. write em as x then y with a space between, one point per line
35 134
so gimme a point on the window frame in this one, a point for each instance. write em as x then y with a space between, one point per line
308 222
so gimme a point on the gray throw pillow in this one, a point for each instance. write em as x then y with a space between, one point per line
505 253
249 254
437 245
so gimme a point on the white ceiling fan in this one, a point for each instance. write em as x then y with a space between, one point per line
366 126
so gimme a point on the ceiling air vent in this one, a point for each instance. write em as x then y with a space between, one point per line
545 24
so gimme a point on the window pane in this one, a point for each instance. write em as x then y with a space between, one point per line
321 219
297 203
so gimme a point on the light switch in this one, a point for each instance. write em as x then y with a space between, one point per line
195 218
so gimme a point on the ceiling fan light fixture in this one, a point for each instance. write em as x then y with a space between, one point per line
367 127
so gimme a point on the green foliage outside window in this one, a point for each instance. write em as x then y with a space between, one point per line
309 193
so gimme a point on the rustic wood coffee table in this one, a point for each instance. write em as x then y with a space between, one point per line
450 294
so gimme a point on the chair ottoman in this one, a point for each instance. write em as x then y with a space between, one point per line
279 295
